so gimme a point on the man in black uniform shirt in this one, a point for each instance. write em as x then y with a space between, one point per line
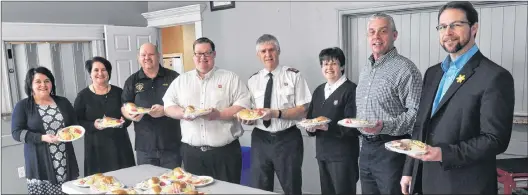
157 136
337 147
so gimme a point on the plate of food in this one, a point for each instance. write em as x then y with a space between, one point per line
154 190
200 181
150 183
106 184
193 112
123 191
406 146
177 187
86 182
109 122
70 133
356 123
321 120
176 174
194 192
134 109
246 114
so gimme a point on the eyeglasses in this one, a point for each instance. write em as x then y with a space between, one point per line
206 54
453 25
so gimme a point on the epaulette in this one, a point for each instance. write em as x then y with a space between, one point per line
293 70
254 74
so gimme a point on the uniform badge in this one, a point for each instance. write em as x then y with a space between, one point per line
219 86
285 84
139 87
293 70
336 102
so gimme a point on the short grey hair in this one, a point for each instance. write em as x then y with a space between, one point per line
267 38
386 17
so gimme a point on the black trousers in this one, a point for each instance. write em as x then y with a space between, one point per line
280 152
222 163
380 169
338 177
166 159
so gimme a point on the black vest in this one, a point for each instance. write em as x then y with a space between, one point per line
338 142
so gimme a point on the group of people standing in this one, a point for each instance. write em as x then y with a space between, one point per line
462 109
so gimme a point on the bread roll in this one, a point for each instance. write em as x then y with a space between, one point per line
119 191
155 189
108 180
154 181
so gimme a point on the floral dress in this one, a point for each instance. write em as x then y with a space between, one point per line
53 121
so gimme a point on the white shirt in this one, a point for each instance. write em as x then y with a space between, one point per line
219 89
330 88
289 90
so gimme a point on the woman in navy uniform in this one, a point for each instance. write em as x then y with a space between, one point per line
337 147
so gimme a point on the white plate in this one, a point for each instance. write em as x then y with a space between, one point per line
109 126
413 151
94 189
356 123
145 111
305 124
142 186
137 192
76 182
145 187
197 113
252 119
211 180
76 126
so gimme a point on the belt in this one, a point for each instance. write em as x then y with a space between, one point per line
205 148
208 148
384 138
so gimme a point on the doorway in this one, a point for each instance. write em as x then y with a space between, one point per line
177 50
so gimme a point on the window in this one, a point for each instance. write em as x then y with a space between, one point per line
64 59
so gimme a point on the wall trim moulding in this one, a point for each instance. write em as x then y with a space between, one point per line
15 31
178 15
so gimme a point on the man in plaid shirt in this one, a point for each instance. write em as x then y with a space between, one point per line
388 92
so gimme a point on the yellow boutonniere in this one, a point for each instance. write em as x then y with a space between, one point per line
461 78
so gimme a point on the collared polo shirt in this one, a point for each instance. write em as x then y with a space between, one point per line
152 134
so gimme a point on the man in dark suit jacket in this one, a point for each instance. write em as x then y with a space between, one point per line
465 115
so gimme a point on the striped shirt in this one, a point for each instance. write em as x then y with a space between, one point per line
389 90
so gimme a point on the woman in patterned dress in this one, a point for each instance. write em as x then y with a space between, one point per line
35 122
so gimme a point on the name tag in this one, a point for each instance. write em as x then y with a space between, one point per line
165 84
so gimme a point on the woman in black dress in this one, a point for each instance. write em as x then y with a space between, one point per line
36 120
106 149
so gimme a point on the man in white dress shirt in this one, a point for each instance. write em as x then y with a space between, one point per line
276 142
210 143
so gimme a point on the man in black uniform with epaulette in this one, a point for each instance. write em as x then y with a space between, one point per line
157 136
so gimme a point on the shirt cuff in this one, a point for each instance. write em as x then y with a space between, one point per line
167 104
23 136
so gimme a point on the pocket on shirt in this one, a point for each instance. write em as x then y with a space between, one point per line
258 96
287 97
221 98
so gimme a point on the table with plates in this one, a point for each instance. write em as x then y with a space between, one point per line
133 175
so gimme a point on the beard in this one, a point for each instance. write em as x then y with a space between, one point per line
458 46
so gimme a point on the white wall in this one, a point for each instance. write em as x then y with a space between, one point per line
124 13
